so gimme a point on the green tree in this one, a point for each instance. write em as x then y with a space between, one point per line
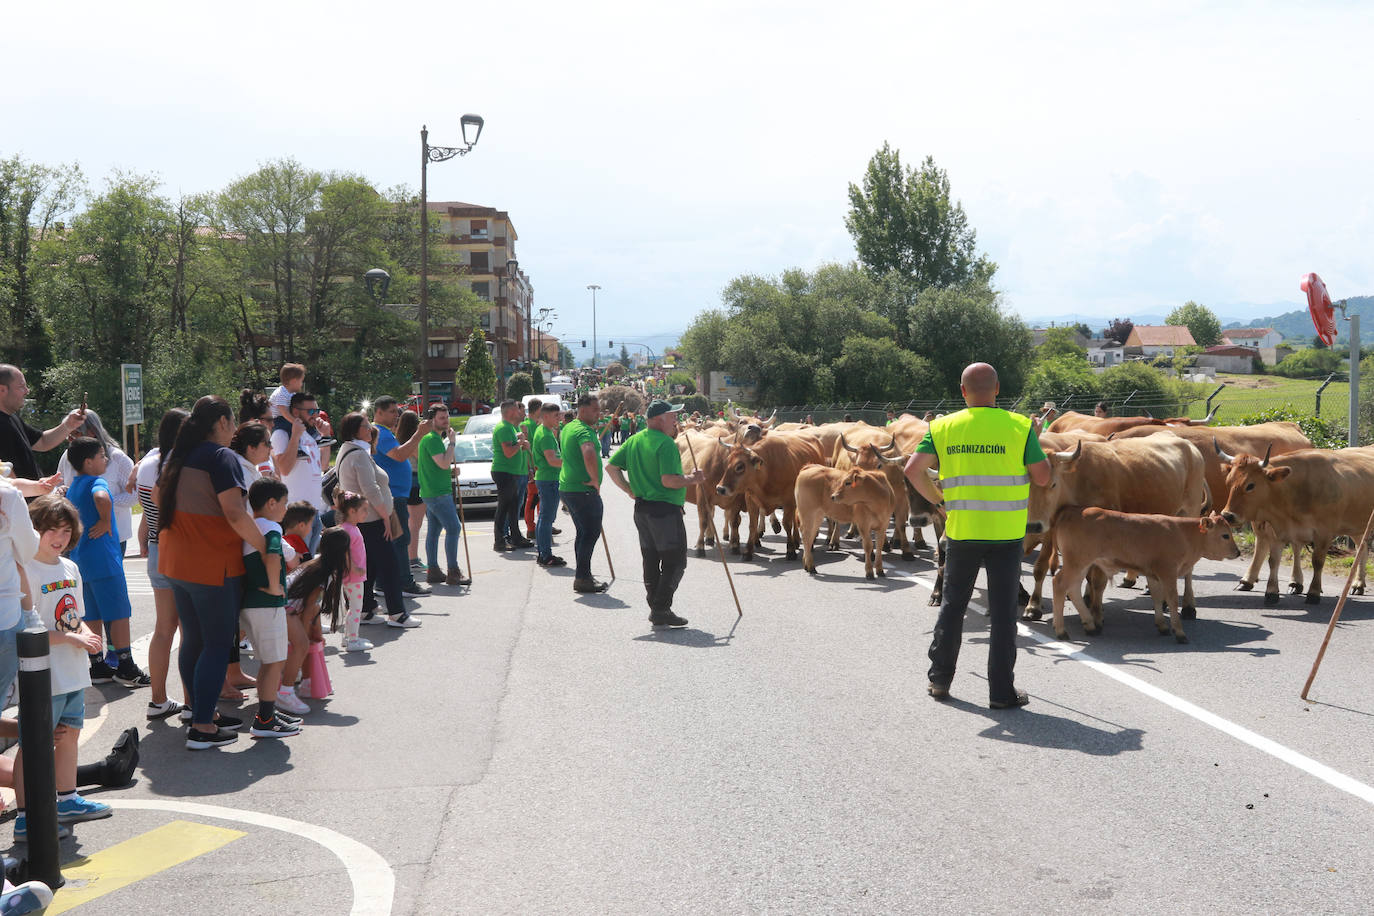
876 369
966 324
519 385
565 357
1067 380
704 340
1060 343
902 219
1146 384
1310 363
537 379
624 355
33 199
477 376
1199 320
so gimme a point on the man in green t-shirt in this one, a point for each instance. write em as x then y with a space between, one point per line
547 457
435 463
579 486
654 465
509 447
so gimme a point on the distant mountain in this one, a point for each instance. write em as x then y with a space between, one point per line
1296 326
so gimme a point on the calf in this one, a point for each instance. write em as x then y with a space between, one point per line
1160 547
869 497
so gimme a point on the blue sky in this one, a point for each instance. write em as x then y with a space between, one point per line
1115 159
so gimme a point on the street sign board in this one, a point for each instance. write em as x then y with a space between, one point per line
131 383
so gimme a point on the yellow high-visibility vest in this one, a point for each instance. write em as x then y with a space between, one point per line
983 473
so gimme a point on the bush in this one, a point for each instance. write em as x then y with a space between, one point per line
1149 386
696 402
537 380
519 385
1322 433
1061 379
1310 363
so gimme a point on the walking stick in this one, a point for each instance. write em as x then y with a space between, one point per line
462 519
608 555
1340 605
719 549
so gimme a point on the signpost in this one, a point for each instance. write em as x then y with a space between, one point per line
131 384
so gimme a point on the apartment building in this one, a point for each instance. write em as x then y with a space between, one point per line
477 244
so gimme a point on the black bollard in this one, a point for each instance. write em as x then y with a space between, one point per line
40 779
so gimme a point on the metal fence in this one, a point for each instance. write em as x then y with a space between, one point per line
1330 402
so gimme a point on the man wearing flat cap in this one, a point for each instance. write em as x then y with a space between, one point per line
653 465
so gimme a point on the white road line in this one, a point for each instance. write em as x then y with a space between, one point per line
1278 751
374 883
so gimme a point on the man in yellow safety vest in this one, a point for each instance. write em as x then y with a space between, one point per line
987 458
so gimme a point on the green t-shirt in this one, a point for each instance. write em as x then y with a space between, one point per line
506 432
434 480
641 423
646 457
543 440
573 478
255 574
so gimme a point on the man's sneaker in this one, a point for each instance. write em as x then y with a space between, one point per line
288 718
417 563
29 897
589 586
131 676
168 707
667 619
520 543
455 577
245 646
277 728
287 700
557 530
357 644
551 561
202 741
75 809
500 546
371 617
101 673
434 576
121 762
415 589
1019 698
233 723
403 621
21 830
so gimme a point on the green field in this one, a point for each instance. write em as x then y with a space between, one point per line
1247 394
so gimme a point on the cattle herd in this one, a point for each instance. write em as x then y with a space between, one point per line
1136 495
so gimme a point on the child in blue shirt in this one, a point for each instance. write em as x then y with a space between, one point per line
98 557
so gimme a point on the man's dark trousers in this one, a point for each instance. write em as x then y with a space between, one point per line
963 559
663 547
586 511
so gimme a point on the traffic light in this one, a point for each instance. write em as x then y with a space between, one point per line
584 345
610 343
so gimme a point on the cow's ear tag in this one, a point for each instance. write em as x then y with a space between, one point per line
854 484
1202 525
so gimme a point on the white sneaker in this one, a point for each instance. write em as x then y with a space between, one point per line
245 646
303 687
403 621
357 644
287 700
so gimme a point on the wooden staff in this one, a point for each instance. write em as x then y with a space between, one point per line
462 519
608 555
719 549
1340 605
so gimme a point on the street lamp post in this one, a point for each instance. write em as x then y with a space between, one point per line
505 284
593 287
430 154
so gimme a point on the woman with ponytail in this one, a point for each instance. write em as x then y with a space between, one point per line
203 525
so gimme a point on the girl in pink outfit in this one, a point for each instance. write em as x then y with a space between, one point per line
350 509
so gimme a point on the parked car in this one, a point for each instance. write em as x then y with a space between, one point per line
472 467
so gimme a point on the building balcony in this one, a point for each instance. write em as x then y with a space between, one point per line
444 363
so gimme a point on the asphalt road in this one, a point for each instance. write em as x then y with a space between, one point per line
532 751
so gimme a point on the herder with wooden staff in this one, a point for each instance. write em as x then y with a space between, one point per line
658 486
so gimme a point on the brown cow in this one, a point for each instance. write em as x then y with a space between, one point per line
875 451
1162 548
842 496
1160 474
766 475
699 449
1277 438
1044 561
1105 426
1308 496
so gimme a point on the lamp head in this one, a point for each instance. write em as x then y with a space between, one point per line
472 129
377 281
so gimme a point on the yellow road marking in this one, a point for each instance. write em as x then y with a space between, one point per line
133 860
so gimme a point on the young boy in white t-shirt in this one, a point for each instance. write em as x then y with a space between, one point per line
54 590
292 380
264 607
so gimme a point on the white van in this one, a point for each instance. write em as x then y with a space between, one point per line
560 385
544 398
